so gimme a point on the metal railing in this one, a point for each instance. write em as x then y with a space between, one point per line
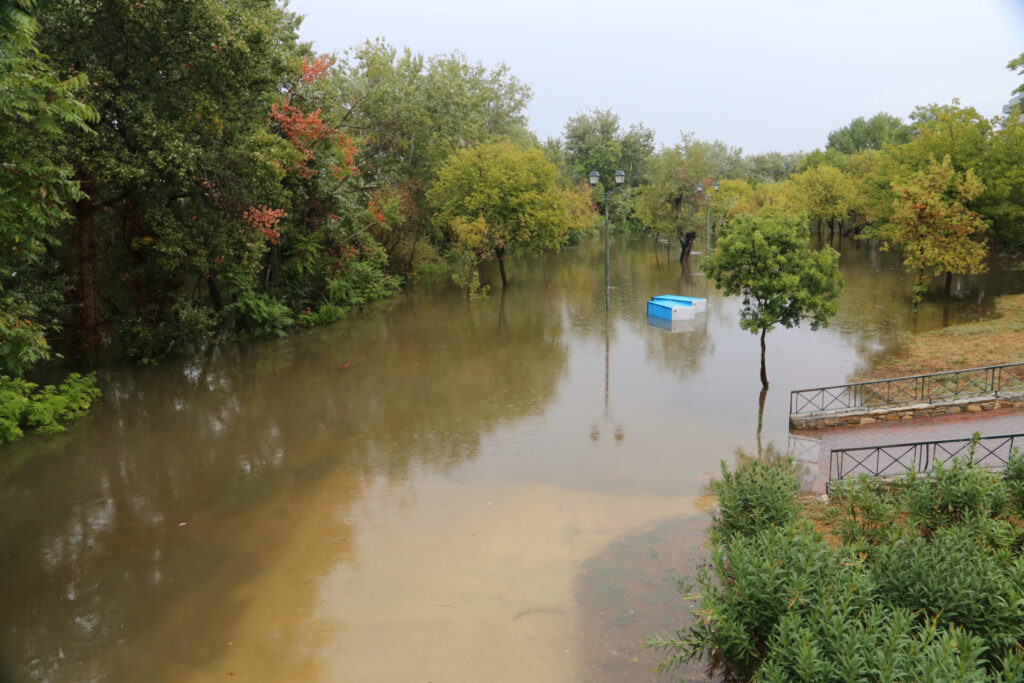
937 386
898 459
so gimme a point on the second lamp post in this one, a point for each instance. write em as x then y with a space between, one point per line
707 201
595 177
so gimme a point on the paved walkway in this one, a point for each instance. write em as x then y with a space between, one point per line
959 426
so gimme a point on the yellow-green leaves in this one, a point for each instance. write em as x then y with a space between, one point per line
932 226
498 198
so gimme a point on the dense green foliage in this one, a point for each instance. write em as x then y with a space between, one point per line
28 406
195 174
37 108
217 180
926 581
875 133
766 260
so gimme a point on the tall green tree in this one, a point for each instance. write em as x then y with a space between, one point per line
1001 172
37 107
770 167
407 114
1017 64
498 198
766 260
711 158
181 150
667 203
875 133
944 130
825 193
596 142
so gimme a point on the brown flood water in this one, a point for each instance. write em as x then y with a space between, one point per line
432 491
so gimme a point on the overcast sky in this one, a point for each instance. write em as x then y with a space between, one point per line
759 74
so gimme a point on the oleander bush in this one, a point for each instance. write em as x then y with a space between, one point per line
917 579
756 496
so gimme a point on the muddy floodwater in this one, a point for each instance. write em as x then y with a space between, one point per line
431 491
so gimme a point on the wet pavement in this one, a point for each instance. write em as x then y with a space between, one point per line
960 426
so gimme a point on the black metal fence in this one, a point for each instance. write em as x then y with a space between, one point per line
939 386
898 459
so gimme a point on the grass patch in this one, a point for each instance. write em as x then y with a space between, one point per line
977 344
920 579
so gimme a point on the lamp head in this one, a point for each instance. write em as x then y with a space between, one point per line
620 176
594 177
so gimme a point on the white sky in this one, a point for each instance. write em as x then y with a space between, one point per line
759 74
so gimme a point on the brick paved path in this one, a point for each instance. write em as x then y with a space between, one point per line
960 426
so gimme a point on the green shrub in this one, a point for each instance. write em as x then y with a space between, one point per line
756 496
952 494
1014 480
864 509
927 584
832 643
325 315
27 406
752 584
361 282
956 579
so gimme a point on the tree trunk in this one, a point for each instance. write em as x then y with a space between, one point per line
501 312
215 297
499 253
760 418
764 372
686 242
949 283
87 317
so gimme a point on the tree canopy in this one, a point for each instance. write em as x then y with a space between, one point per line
596 141
875 133
934 229
498 198
37 108
766 260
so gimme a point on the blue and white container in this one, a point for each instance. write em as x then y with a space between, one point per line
672 307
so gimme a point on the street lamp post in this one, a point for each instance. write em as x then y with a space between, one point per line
594 178
707 201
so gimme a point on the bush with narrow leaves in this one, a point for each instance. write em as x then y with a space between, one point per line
756 496
925 582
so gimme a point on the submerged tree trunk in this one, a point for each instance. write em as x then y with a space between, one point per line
499 253
87 317
686 243
764 372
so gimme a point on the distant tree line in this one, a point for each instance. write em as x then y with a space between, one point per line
175 174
